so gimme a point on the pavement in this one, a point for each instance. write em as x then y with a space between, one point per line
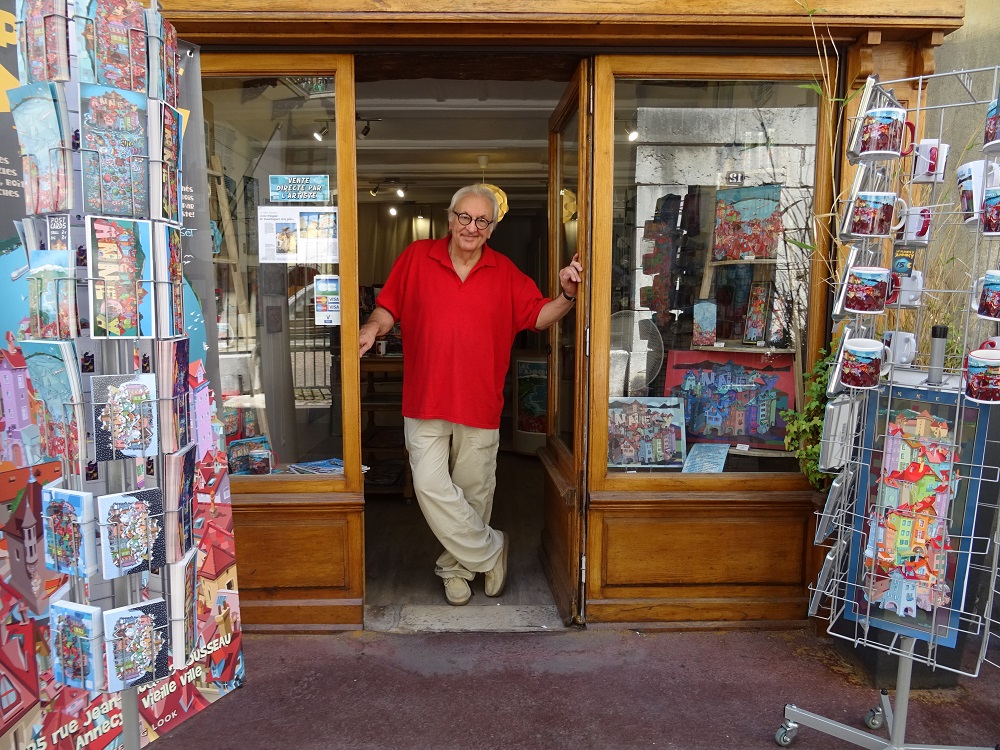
570 688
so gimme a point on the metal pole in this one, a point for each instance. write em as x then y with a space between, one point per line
904 674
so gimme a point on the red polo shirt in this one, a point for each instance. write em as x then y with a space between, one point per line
457 335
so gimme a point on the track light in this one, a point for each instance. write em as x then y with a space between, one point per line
401 191
374 191
392 211
319 134
633 133
366 129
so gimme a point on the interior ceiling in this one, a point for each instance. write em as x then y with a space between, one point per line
432 121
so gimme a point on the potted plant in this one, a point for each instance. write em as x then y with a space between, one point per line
804 425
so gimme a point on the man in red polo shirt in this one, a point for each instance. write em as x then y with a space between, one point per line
459 305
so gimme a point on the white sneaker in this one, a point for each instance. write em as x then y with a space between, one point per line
496 577
457 591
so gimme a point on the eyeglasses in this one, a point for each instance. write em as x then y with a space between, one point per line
481 221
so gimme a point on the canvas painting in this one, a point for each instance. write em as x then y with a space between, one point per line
704 323
646 432
732 397
758 306
916 504
747 223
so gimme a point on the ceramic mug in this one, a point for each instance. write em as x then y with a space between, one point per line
863 362
911 288
990 214
916 229
970 178
902 346
929 159
991 343
381 347
867 289
262 461
987 289
883 132
869 214
982 376
991 135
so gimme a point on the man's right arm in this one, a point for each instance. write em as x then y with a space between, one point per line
379 323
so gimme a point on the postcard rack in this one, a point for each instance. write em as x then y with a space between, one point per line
102 240
910 522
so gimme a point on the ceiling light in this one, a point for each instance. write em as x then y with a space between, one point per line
401 191
392 211
318 135
366 129
633 134
420 212
374 191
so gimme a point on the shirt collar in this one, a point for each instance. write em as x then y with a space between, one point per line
439 251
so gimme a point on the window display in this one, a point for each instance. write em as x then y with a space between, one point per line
713 241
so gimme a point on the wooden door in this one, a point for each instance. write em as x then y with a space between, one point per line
564 454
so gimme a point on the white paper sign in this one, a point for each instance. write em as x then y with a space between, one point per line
289 234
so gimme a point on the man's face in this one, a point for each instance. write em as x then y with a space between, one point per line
470 238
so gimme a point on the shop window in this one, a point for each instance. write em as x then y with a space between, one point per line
712 243
271 154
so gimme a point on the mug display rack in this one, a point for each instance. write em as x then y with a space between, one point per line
910 520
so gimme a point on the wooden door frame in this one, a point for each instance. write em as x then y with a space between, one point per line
564 465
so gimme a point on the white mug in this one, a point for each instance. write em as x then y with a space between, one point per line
883 133
986 296
916 229
863 362
381 347
911 289
971 182
870 214
902 346
991 135
929 158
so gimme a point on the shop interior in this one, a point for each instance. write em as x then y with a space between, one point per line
425 127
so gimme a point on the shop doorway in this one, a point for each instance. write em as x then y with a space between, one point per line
428 126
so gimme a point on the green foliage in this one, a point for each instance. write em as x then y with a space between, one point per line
804 426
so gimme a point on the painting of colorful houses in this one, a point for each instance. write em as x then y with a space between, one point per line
911 545
747 223
646 432
732 397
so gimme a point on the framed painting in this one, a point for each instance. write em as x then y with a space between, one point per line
732 397
915 512
758 307
646 432
747 223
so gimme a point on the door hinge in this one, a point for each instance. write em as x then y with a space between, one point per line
583 569
586 342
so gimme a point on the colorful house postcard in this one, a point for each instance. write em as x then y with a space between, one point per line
59 388
114 151
732 397
747 223
915 513
43 46
75 639
132 538
111 43
125 416
646 432
183 608
70 531
168 272
136 644
121 277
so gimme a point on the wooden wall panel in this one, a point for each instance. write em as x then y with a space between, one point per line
300 560
698 557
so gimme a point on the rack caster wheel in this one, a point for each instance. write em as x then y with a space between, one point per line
785 734
874 719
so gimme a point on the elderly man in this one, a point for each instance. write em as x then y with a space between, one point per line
460 304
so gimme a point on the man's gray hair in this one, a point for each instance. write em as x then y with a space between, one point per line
480 191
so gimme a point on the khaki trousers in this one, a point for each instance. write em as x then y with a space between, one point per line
454 476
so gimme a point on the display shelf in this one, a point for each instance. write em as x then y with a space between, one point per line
744 262
744 349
